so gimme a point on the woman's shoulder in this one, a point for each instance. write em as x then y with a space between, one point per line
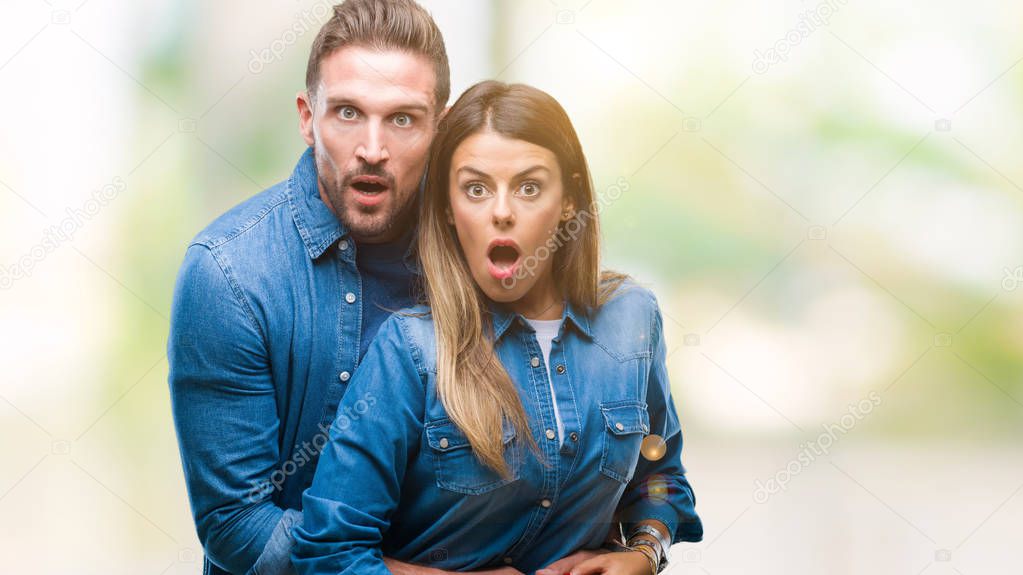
414 326
627 321
622 295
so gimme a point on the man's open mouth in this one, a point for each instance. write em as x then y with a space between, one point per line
369 184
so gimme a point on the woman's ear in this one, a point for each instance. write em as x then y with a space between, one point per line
567 209
568 204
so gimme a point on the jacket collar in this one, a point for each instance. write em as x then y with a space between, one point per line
316 223
503 319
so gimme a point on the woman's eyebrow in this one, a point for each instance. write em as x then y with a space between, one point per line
482 174
473 171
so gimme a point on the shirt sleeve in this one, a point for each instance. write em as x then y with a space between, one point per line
358 479
225 412
659 488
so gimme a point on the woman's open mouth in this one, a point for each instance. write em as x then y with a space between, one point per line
369 190
502 258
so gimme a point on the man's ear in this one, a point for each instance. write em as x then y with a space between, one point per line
305 117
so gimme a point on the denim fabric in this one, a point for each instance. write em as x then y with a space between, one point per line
267 323
399 478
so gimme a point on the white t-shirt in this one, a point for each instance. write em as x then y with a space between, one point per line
546 331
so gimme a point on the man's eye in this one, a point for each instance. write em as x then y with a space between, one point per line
529 188
475 190
403 120
348 112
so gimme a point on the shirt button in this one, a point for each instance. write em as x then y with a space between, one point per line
344 376
535 362
545 503
342 245
573 436
619 426
350 297
507 560
443 442
550 434
561 368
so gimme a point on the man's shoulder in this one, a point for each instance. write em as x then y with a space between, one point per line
246 217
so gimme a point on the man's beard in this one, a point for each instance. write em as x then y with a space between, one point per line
365 222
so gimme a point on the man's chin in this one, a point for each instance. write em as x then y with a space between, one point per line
377 228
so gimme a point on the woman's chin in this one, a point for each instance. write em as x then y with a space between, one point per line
506 290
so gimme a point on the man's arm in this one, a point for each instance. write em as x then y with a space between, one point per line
276 557
398 568
225 412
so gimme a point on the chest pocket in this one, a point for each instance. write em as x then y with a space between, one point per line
626 424
456 465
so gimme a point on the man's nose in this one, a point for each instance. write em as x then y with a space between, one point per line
373 149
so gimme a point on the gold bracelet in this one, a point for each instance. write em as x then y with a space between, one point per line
648 551
659 552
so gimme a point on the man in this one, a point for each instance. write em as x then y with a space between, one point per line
278 299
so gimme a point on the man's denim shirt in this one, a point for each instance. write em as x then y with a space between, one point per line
265 334
399 479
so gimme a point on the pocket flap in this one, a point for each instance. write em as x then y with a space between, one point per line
444 435
624 417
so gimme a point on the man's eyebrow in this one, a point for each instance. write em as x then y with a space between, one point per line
400 106
482 174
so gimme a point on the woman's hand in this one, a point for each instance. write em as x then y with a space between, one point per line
565 564
619 563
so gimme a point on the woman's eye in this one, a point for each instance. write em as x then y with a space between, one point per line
348 112
529 188
475 190
403 120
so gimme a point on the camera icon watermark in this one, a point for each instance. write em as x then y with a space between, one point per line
186 556
439 554
943 125
187 125
60 447
60 17
691 339
565 17
943 555
943 340
692 556
817 233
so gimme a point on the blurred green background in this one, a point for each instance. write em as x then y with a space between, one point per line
826 198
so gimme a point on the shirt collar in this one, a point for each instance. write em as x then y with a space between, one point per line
316 223
504 318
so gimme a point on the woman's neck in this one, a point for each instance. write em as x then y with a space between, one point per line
541 302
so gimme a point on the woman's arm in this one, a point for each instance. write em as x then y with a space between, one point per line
360 471
659 491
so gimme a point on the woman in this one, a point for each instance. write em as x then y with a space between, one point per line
527 409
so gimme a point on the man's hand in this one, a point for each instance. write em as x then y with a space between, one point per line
400 568
623 563
565 564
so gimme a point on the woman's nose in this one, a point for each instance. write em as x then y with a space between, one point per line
503 216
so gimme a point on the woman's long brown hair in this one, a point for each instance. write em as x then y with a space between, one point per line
474 387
